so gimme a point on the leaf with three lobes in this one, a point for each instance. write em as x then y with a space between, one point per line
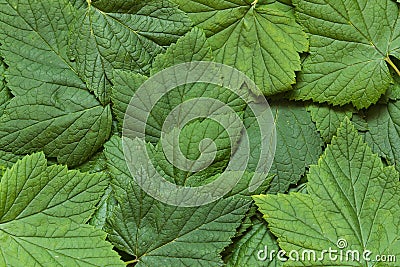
349 50
351 197
198 49
262 40
154 232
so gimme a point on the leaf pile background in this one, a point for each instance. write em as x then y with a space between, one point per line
68 69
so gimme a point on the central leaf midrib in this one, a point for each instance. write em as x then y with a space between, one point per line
358 30
48 44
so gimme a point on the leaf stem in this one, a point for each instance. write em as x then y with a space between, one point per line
388 60
254 3
132 261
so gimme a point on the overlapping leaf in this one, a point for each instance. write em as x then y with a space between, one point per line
328 118
262 40
4 93
61 59
349 50
352 197
254 248
42 211
196 48
52 109
298 144
384 131
192 47
154 232
123 35
7 159
68 125
34 38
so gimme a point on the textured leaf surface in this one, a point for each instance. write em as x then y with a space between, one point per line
191 47
261 40
7 159
97 163
125 85
78 3
352 196
246 251
360 121
328 118
4 93
42 211
34 38
298 144
384 131
196 48
104 209
68 125
52 110
393 93
104 38
348 48
155 232
189 142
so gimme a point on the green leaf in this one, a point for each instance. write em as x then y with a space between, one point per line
261 40
4 93
298 144
69 125
97 163
42 211
328 118
349 51
384 131
52 111
189 92
155 232
194 46
8 159
35 45
359 120
250 249
189 141
104 209
393 93
195 131
78 3
126 83
352 197
105 39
